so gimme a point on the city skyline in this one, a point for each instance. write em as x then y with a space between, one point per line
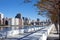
11 7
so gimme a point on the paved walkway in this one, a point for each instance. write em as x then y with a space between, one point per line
53 37
53 34
41 34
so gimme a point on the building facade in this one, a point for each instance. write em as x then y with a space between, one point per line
1 18
15 21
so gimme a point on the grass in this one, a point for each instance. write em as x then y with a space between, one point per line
2 25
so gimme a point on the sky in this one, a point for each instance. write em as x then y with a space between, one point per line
11 7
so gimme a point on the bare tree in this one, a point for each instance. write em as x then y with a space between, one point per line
52 6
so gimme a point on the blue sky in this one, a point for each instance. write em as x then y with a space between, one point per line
11 7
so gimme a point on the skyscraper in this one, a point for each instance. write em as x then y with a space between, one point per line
1 17
18 16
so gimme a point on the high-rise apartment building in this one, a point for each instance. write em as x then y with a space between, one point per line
12 21
1 18
18 16
15 21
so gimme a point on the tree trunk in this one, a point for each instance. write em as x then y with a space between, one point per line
56 27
